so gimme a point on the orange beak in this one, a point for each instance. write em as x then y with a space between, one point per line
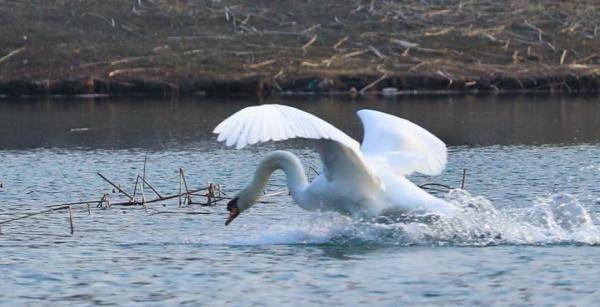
233 213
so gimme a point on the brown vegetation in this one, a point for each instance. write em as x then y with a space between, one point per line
227 46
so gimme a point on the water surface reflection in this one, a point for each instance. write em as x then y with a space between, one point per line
151 123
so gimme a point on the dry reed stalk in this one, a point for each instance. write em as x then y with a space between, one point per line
280 74
133 70
116 186
372 84
187 191
143 195
105 200
261 64
312 28
74 203
312 169
310 64
216 200
563 56
587 58
142 186
190 192
71 220
33 214
353 54
340 42
144 181
135 186
377 53
11 54
128 60
180 183
309 43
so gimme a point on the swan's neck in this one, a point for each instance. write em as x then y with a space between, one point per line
291 166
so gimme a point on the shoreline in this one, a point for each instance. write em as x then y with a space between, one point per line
353 85
231 47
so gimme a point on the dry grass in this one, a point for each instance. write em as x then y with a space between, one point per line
185 45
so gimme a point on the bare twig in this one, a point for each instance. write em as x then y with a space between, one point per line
33 214
309 43
115 186
261 64
340 42
370 85
563 56
71 220
150 186
189 197
11 54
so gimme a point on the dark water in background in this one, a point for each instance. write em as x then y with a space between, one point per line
525 155
123 123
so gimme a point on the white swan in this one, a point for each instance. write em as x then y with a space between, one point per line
366 180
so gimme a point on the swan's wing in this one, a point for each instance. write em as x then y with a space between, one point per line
340 153
342 164
401 145
272 122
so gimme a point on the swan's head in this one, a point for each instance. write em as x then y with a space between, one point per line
240 203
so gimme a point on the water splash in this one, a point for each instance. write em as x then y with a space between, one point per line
556 219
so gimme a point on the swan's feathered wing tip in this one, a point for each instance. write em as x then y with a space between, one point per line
401 145
273 122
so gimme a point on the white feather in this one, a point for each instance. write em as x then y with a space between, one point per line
274 123
401 145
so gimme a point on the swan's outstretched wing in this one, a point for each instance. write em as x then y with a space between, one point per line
271 122
401 145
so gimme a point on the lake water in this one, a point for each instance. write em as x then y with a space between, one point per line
526 157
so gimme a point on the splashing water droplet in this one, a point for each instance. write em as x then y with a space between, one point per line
557 219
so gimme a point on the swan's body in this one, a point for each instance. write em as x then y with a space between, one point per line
361 181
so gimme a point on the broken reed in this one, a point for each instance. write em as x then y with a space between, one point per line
212 193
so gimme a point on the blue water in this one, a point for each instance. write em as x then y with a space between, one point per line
511 245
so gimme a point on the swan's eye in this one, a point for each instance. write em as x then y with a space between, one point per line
232 204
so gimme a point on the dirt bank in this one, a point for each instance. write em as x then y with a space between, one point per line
258 47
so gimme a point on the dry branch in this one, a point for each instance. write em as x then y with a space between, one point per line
309 43
33 214
563 56
261 64
11 54
370 85
115 186
353 54
340 42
